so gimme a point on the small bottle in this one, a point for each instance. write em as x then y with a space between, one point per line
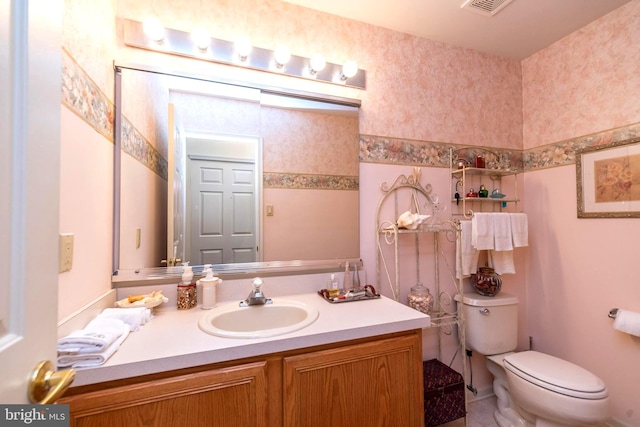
356 277
333 286
483 192
347 282
187 297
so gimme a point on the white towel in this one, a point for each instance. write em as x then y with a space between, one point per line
519 229
97 336
503 240
85 360
134 317
502 262
465 252
627 322
482 230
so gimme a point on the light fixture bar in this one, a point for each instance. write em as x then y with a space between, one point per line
178 42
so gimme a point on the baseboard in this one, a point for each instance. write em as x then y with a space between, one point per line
80 318
481 394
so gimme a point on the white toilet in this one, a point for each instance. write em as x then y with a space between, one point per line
532 388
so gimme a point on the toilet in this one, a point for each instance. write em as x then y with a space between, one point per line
532 388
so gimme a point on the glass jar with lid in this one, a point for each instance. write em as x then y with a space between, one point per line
420 299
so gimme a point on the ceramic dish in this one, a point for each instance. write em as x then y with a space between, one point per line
147 301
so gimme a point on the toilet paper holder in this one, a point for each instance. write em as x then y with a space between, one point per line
613 313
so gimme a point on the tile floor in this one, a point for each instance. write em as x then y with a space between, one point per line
480 414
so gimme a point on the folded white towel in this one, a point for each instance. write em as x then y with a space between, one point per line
502 262
519 229
134 317
466 254
627 322
482 230
85 360
97 336
503 240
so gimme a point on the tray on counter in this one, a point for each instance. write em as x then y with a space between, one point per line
366 293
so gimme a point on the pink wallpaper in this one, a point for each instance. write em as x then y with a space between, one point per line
416 88
582 84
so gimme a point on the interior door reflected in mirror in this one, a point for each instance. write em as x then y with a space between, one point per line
201 161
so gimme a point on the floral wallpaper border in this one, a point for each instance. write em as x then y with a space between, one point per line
374 149
82 96
309 182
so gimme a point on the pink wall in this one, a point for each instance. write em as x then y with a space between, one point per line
580 268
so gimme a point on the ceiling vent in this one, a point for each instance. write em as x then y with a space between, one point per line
485 7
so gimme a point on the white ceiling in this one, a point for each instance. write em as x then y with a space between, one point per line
520 29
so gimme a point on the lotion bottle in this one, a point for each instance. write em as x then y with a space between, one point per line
209 284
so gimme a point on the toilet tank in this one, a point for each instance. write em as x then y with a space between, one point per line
491 323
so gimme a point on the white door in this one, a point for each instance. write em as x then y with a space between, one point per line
223 211
30 66
176 183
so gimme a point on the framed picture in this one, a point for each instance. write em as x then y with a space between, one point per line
608 180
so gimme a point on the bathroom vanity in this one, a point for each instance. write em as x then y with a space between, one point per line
358 364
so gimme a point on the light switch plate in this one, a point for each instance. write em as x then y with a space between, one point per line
66 252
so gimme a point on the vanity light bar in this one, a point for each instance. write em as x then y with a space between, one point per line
180 43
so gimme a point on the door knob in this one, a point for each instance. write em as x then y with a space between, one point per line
46 385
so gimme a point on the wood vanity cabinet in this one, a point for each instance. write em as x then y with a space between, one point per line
368 383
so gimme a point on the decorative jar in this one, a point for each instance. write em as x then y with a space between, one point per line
420 299
486 282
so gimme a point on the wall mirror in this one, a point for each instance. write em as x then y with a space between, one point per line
246 178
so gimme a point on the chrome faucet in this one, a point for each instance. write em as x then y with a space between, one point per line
256 297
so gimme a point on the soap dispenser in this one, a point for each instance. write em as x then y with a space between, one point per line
208 284
187 297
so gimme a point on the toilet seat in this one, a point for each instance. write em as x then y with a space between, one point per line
556 375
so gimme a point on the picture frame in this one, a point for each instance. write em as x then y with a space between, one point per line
608 180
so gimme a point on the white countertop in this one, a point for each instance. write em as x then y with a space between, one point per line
172 339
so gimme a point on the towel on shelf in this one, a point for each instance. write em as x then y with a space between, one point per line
466 254
85 360
519 229
482 228
97 336
502 238
627 322
134 317
502 262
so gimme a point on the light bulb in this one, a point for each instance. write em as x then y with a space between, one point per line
201 38
317 63
153 29
282 56
243 47
349 69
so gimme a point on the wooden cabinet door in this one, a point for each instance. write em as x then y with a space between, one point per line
364 385
225 397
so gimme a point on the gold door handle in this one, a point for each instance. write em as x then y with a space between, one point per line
46 385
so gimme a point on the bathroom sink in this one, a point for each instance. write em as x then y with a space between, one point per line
258 321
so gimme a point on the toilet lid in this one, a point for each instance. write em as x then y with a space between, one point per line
556 375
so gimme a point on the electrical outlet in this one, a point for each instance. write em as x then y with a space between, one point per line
66 252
